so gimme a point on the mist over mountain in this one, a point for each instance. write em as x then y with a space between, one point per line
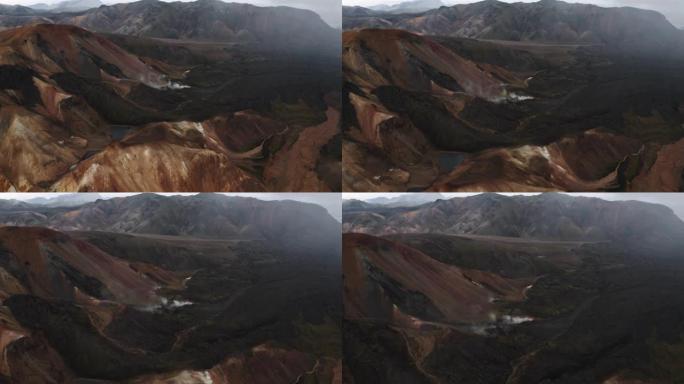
204 20
15 10
413 6
625 29
545 217
495 289
65 200
67 6
513 97
202 215
406 200
150 288
151 106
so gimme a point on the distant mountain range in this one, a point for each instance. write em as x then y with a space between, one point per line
202 215
545 20
67 6
15 10
406 200
82 82
209 20
412 6
546 216
66 200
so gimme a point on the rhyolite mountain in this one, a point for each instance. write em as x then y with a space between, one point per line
512 97
245 302
625 28
545 217
85 111
454 114
492 289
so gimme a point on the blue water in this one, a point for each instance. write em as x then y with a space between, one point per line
450 160
119 131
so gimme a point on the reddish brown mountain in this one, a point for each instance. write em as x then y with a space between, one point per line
493 289
81 113
146 292
449 114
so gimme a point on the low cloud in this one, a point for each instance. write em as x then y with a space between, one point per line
672 9
329 10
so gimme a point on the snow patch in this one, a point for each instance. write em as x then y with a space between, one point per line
511 97
165 303
175 303
497 322
175 85
161 82
527 289
506 319
514 97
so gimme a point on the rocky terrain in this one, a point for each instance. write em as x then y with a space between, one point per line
144 110
190 304
510 303
489 97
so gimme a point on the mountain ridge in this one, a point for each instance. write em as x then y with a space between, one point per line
109 113
112 306
624 28
67 6
411 6
545 217
202 20
204 215
461 308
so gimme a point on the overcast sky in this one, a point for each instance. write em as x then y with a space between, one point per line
673 9
672 200
329 201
